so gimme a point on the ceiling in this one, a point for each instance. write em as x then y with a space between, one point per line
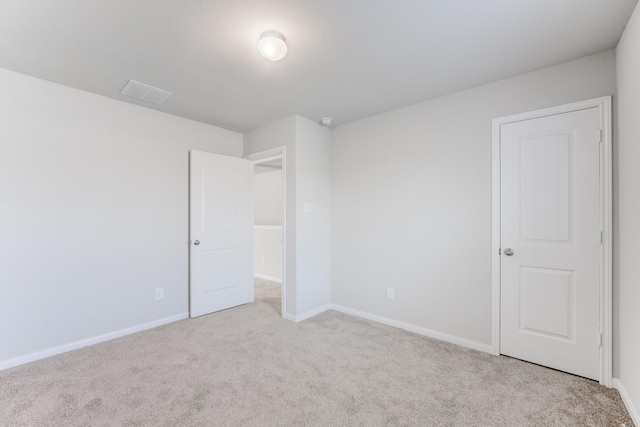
347 59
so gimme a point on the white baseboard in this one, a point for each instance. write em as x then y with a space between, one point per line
270 278
487 348
31 357
308 314
633 411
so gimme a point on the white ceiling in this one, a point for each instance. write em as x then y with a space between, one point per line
347 59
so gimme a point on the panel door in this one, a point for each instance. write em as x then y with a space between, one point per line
551 240
221 232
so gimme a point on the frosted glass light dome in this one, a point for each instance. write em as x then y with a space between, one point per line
272 45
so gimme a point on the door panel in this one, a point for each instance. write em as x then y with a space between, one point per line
220 208
221 249
545 188
220 269
546 301
550 218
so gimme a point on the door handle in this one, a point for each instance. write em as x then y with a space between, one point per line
508 252
197 242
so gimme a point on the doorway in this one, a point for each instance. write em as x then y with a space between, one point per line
552 238
270 228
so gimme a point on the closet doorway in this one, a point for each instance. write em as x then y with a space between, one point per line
269 199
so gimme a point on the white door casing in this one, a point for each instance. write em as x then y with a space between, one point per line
221 232
552 207
551 224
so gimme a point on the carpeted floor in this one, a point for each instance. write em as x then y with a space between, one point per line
270 293
249 367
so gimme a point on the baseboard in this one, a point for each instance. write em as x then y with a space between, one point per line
32 357
308 314
487 348
269 278
633 411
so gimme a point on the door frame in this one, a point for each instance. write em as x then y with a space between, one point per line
262 156
606 169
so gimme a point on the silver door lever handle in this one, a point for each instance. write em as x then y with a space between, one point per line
197 242
508 252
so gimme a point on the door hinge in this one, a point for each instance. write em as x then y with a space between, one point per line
499 251
601 237
599 340
600 139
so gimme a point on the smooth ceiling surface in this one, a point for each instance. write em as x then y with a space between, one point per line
347 59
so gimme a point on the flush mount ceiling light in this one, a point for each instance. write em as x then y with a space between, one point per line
272 45
326 121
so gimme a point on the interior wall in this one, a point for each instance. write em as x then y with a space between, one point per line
267 250
411 199
94 213
267 191
627 238
267 208
308 233
313 200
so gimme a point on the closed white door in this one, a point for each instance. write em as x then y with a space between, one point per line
550 241
221 228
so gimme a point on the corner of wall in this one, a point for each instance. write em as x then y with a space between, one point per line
631 408
627 211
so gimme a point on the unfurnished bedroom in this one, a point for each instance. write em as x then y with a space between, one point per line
319 213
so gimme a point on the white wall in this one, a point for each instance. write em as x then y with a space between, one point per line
267 208
93 213
411 199
627 238
308 181
313 187
267 191
267 251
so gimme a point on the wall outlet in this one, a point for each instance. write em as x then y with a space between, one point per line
391 293
262 260
159 293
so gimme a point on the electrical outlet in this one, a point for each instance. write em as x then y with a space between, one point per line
159 293
391 293
262 260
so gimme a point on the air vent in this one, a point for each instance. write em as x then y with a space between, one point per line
145 92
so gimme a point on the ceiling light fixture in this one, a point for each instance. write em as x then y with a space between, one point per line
272 45
326 121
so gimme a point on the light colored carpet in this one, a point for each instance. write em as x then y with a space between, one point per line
249 367
270 293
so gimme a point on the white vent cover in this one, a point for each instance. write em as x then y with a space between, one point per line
145 92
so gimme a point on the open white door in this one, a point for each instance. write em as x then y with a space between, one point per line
551 241
221 228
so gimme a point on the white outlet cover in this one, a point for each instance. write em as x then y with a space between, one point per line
390 293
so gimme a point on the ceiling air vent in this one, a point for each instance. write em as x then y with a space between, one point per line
145 92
